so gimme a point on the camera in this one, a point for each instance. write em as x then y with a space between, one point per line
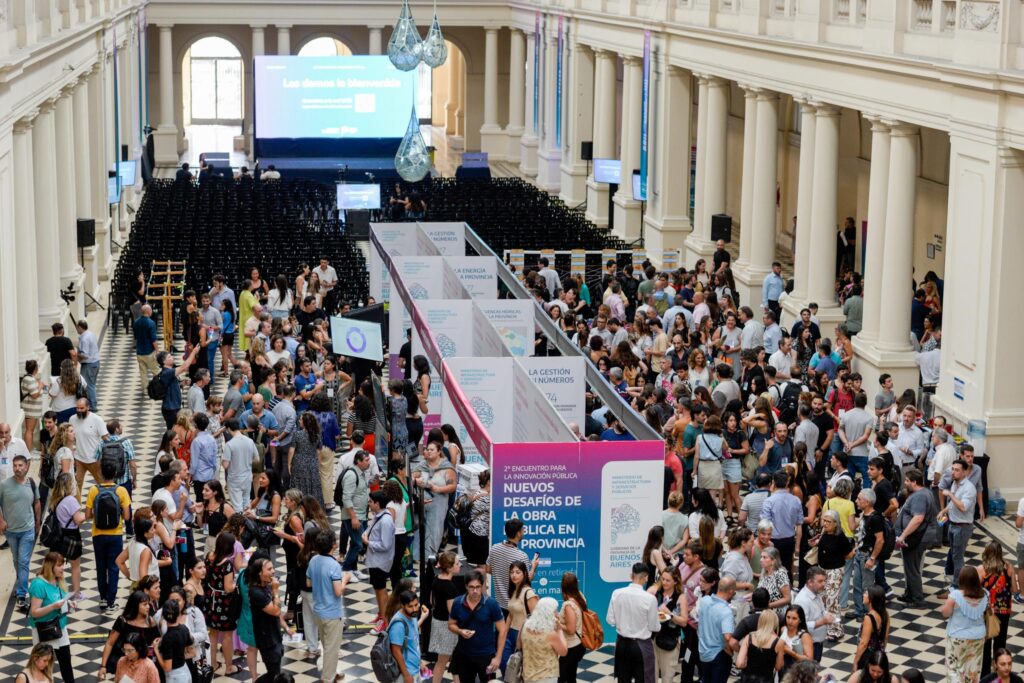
68 295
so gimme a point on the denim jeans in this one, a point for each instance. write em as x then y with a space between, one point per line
863 578
107 548
959 536
353 540
211 350
844 587
22 543
90 373
859 463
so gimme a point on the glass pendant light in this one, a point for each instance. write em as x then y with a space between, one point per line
413 160
404 48
435 51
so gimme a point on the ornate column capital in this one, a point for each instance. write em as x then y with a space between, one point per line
825 110
25 123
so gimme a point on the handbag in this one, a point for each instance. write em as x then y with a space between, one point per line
514 668
49 630
811 556
992 623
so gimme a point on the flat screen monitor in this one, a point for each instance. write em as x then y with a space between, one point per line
113 191
358 196
607 171
637 194
128 170
474 160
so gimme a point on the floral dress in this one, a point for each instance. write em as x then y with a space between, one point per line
773 583
399 432
219 616
306 467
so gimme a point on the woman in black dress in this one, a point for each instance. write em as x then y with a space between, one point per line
221 593
761 652
214 511
265 601
304 463
136 618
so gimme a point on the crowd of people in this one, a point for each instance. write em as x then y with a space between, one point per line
786 498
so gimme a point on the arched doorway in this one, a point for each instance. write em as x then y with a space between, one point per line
325 46
212 96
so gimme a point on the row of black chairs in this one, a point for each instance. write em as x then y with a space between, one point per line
231 227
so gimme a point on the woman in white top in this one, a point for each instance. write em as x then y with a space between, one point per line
302 282
64 503
279 351
279 300
137 558
65 390
62 449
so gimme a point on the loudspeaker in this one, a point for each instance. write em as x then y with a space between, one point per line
721 227
124 152
357 224
86 233
587 151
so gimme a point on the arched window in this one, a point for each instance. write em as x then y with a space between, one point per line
325 46
215 79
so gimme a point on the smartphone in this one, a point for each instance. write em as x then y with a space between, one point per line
536 556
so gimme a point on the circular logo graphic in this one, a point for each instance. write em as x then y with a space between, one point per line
356 340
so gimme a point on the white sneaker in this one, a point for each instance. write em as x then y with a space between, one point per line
360 576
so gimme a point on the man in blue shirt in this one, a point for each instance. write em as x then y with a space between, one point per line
204 455
786 514
772 332
615 431
772 289
479 623
715 642
146 344
404 633
327 582
306 385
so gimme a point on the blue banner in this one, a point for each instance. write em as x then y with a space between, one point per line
558 87
117 119
536 73
645 112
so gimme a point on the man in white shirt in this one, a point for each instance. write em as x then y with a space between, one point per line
752 335
348 458
633 613
928 362
271 173
551 279
942 460
90 431
909 445
781 360
221 291
817 618
10 446
327 274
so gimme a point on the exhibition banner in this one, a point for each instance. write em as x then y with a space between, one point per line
488 343
587 507
451 284
397 239
484 389
563 381
645 115
513 319
478 274
421 278
450 321
449 238
534 420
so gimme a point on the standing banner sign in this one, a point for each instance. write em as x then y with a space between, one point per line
513 319
485 385
563 381
422 278
645 115
536 72
587 507
449 238
558 86
451 323
479 274
397 239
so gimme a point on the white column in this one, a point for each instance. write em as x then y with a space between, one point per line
284 46
26 21
604 132
821 273
165 138
516 92
805 194
44 175
258 41
699 177
376 45
70 270
747 183
528 142
97 261
258 50
878 192
763 218
98 151
578 120
166 77
667 219
627 209
492 139
25 243
699 244
549 157
894 335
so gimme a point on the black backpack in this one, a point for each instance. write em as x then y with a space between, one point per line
106 508
382 659
339 487
789 401
156 389
888 540
113 451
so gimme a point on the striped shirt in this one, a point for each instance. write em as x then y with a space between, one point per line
499 560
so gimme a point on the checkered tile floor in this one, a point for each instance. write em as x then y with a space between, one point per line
917 638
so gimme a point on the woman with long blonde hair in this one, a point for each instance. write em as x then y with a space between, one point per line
64 503
65 390
49 601
762 652
40 666
62 450
258 353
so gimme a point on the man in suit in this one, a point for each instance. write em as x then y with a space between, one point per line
183 175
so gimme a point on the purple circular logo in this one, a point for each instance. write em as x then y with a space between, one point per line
356 340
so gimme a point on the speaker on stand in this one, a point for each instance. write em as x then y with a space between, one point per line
587 155
721 227
86 234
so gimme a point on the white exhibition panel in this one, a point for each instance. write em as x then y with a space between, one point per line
563 381
513 319
485 384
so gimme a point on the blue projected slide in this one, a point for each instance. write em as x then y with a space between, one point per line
607 171
127 169
332 97
354 196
